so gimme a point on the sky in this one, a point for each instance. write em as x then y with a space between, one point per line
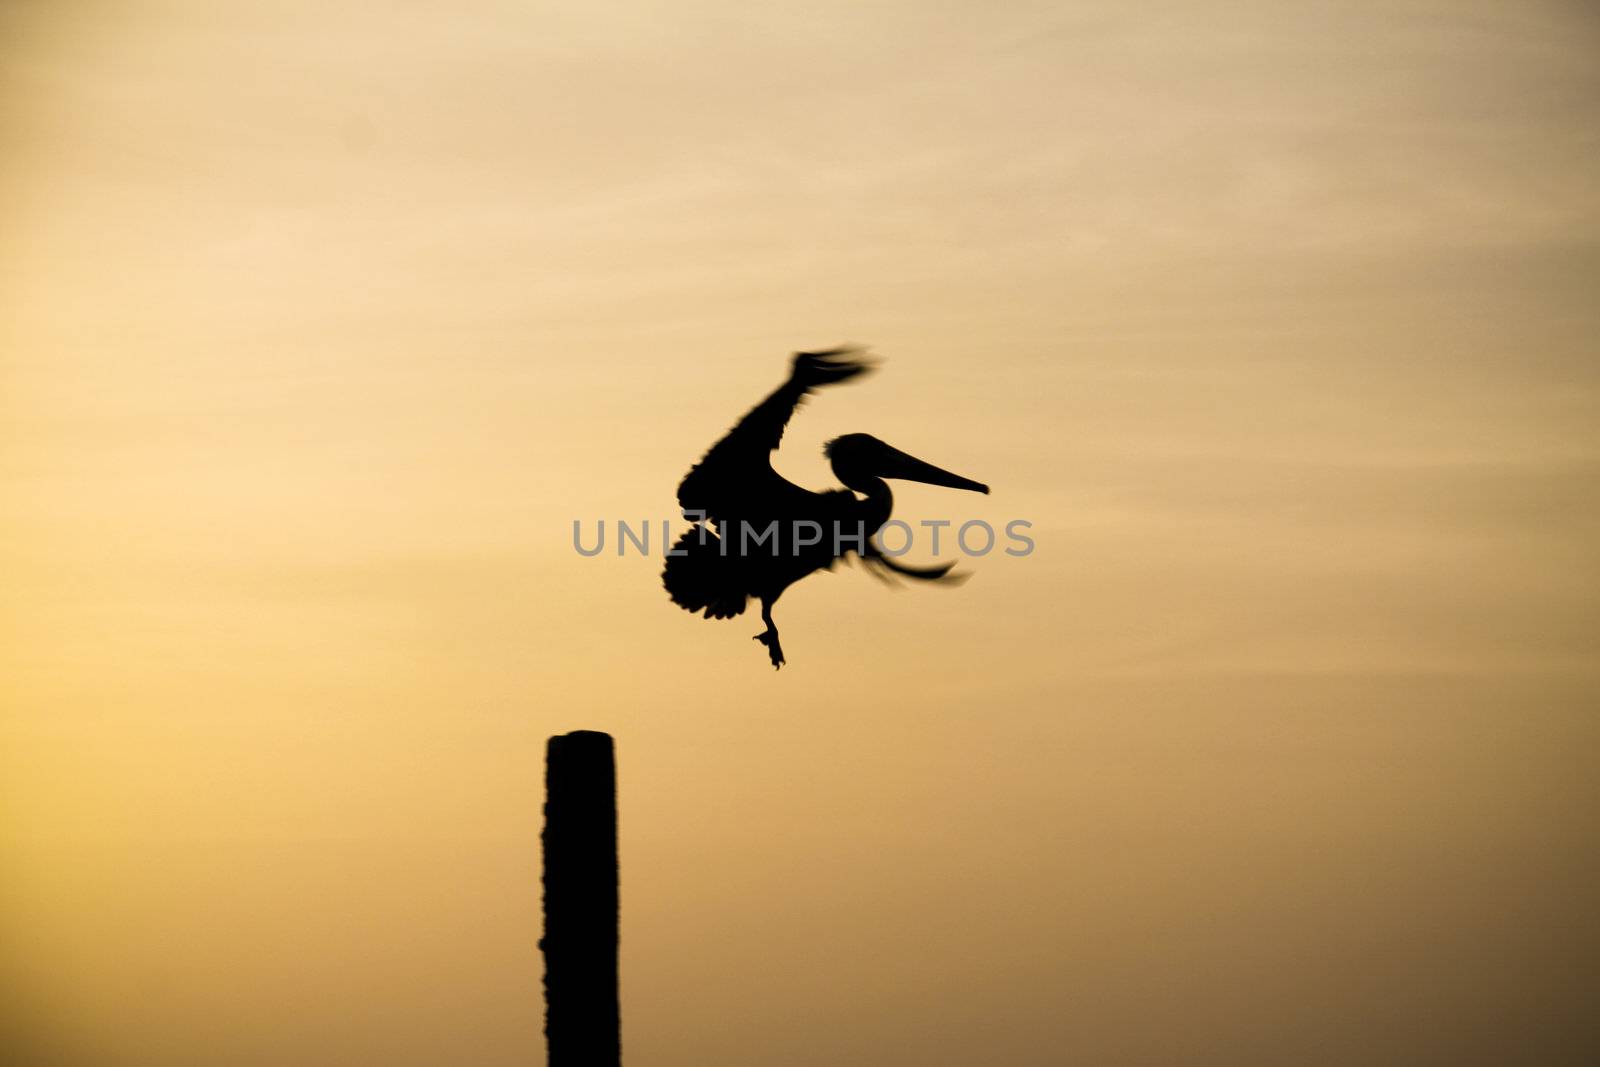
322 324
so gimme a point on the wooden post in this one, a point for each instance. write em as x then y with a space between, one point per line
582 1022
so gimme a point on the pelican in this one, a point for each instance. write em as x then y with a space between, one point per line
755 533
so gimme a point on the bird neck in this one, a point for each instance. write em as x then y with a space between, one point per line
879 502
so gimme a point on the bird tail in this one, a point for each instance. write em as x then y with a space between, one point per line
698 577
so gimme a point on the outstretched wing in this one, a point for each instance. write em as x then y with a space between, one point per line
735 478
875 558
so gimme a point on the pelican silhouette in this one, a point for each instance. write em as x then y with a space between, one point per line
756 533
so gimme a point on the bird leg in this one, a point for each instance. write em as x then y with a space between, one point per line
770 637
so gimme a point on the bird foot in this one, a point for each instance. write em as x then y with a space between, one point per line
774 650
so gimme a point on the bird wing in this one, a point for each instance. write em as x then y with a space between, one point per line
735 478
939 572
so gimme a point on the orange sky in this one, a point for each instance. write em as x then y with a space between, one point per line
323 322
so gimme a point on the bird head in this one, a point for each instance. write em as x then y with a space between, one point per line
859 459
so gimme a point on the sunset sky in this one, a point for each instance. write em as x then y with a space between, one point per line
320 324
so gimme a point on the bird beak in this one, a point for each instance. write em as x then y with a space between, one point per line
896 464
